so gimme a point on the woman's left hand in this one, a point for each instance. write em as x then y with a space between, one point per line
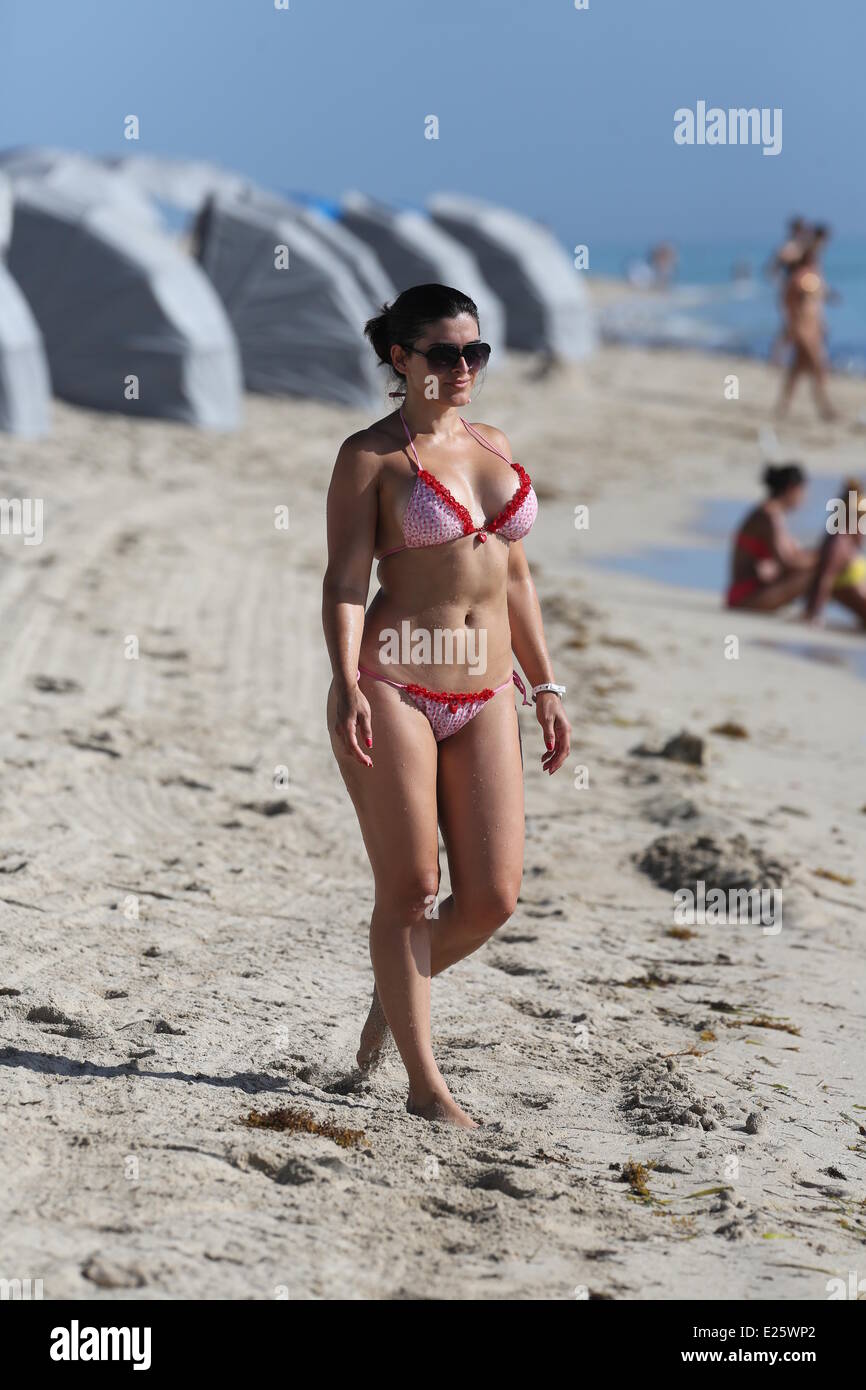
555 727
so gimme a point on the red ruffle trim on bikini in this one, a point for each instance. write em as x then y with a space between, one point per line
457 507
451 697
516 502
464 516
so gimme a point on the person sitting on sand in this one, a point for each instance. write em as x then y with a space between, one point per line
768 567
841 573
805 295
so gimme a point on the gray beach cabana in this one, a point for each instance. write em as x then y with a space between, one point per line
25 384
5 214
300 328
375 283
546 304
116 299
364 264
64 171
415 251
183 186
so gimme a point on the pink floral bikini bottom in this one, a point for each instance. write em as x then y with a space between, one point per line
448 710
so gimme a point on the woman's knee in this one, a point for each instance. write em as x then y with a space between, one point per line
489 907
409 896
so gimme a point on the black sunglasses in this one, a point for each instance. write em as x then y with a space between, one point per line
446 356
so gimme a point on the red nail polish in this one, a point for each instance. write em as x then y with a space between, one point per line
369 743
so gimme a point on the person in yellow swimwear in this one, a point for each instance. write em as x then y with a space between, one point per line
841 573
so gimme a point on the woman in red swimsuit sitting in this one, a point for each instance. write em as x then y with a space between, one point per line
768 567
423 729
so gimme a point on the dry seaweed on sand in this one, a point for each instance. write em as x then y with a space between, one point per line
845 879
763 1022
651 980
636 1175
304 1122
730 729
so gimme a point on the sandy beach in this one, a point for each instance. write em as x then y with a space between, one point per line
184 894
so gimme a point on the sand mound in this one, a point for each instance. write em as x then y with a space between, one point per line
678 860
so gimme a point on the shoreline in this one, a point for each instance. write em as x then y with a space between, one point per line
609 294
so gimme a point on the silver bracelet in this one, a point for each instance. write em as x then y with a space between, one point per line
548 685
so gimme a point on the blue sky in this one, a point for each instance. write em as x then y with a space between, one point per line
565 114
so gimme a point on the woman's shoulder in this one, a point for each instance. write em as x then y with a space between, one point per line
758 522
380 437
493 436
366 449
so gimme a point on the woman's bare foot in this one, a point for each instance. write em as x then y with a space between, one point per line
374 1036
442 1107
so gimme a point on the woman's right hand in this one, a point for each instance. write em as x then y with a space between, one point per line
353 722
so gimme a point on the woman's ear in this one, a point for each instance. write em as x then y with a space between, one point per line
398 359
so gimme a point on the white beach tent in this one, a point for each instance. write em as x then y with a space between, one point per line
373 280
129 322
546 304
5 214
178 184
299 324
375 283
25 384
182 187
65 171
415 251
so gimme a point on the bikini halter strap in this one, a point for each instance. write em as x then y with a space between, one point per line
485 442
409 437
473 432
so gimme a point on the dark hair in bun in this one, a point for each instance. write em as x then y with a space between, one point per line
406 320
779 477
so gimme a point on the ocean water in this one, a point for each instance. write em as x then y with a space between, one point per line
707 308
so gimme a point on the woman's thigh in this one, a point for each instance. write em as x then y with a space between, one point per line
395 800
481 805
809 351
772 596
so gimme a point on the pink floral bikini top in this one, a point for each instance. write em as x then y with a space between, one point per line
434 516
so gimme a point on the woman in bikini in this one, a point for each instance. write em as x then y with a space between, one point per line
422 725
804 298
841 573
768 567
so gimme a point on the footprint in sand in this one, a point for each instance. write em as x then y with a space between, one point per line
55 685
514 968
498 1180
